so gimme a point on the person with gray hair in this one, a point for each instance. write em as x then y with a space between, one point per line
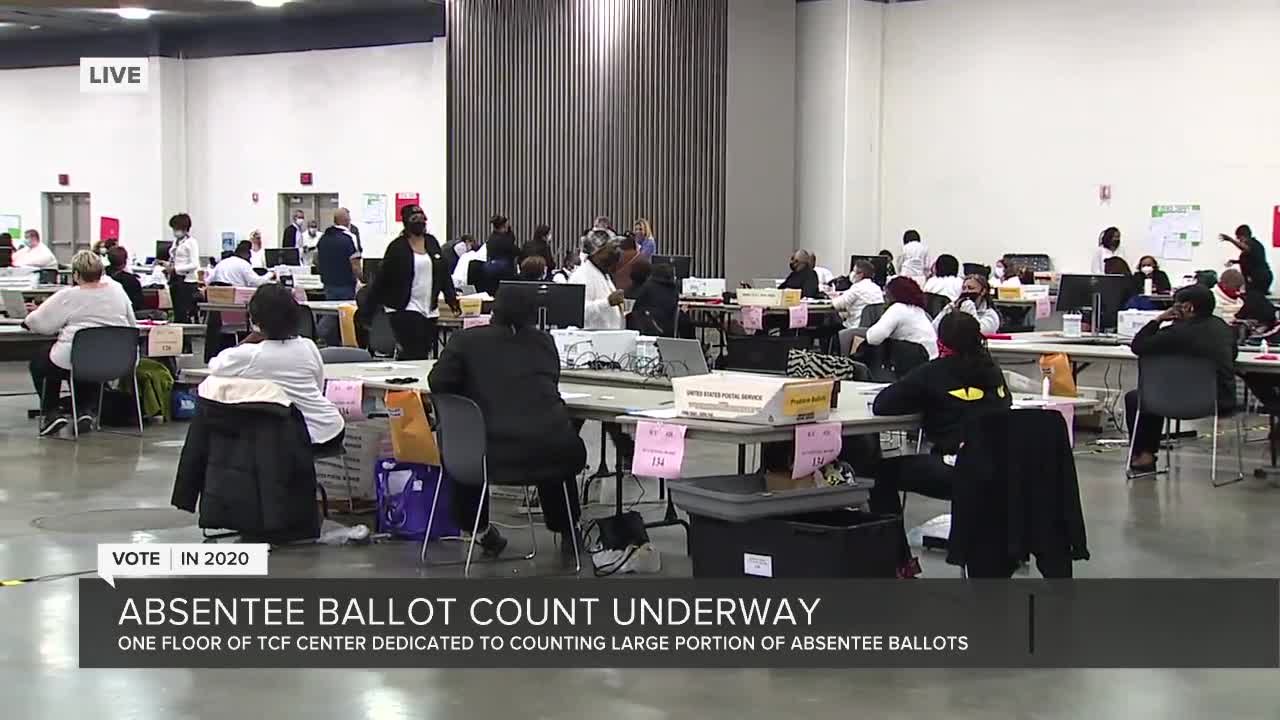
94 301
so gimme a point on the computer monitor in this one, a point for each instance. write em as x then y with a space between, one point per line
879 262
1101 295
6 257
681 265
977 269
370 267
557 305
283 256
162 250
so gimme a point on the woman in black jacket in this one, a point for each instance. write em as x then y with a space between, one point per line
1149 269
528 433
656 301
540 246
412 276
962 383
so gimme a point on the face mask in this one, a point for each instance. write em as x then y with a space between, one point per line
1147 269
417 228
998 271
299 222
179 234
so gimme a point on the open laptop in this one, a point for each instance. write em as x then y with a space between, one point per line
14 304
682 358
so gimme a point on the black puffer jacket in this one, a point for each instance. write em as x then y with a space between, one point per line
250 467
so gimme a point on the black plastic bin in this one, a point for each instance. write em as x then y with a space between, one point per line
833 543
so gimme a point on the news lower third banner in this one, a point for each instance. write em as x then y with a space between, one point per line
535 623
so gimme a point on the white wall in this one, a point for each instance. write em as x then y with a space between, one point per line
1002 118
366 120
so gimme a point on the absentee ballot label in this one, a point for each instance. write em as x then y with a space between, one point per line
181 559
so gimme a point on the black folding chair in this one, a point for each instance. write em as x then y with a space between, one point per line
935 303
100 355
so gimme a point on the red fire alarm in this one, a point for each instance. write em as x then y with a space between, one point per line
64 179
305 178
255 197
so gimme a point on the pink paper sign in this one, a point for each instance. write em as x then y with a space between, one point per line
1069 414
752 318
799 316
244 295
475 321
348 396
817 445
1043 309
659 450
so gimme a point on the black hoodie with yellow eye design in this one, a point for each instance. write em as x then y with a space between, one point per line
948 391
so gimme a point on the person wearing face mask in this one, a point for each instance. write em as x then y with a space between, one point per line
975 300
1228 295
310 240
1149 269
862 293
1108 246
292 234
802 276
257 254
35 254
603 300
184 260
408 285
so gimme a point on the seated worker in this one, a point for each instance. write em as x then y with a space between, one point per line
118 270
529 436
863 292
93 302
974 299
462 271
1228 295
34 254
275 352
962 383
533 269
803 277
1149 269
657 302
568 264
236 270
946 279
905 318
1194 331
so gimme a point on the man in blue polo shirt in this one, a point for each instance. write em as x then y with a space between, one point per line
338 257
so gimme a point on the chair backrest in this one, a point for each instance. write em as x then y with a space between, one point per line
100 354
306 322
382 339
762 353
871 315
460 433
1180 387
905 356
934 303
336 355
846 337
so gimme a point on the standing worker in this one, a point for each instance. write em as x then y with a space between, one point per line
184 260
409 282
338 257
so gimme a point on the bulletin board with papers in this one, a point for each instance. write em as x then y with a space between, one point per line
1175 230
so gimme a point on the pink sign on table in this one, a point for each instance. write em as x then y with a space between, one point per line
752 318
1069 414
300 295
244 295
1043 309
799 316
348 396
475 321
659 450
817 445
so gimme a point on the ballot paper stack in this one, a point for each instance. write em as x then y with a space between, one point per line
351 476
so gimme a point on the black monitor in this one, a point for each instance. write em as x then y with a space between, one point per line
681 265
558 305
1105 294
370 267
977 269
879 262
283 256
6 257
162 250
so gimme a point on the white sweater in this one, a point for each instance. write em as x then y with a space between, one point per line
599 315
68 311
40 257
905 322
948 286
295 365
914 261
988 318
853 301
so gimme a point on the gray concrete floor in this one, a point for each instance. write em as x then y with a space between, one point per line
1169 527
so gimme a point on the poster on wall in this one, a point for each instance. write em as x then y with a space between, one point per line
373 215
1275 227
1175 231
228 241
405 199
11 224
109 228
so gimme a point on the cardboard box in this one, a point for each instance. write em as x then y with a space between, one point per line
221 295
781 481
703 287
759 297
1129 322
365 443
790 297
753 399
1009 293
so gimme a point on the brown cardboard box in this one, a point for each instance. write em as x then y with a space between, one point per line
781 481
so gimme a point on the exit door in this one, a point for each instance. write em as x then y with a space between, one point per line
314 206
66 224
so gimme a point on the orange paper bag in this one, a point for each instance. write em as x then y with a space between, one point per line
1057 367
411 438
347 324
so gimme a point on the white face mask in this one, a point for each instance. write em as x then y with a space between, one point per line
179 234
998 271
300 223
1147 269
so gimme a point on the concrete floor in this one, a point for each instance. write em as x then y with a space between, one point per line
1170 527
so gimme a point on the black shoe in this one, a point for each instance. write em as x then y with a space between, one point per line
52 425
85 423
491 542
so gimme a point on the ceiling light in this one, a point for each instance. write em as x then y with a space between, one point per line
135 13
270 3
33 27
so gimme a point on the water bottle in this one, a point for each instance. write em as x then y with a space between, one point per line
1044 388
1071 325
1147 287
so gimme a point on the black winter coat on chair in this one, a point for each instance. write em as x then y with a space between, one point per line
1017 495
248 463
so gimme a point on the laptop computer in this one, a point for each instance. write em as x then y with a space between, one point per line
682 358
14 304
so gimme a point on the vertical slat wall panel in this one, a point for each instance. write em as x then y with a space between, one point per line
562 110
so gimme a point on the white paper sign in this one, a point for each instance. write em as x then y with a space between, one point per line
757 565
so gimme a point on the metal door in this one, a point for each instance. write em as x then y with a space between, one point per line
67 224
315 206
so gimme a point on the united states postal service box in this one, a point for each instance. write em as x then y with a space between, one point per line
759 297
753 399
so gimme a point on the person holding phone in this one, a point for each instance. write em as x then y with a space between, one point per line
975 300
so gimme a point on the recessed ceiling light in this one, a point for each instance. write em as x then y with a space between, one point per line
135 13
270 3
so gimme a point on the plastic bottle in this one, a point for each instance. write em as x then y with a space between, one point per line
1071 325
1147 288
1044 388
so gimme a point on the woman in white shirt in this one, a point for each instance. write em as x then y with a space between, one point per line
974 299
95 301
914 261
905 319
946 279
1108 246
862 293
257 253
603 309
184 260
275 352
